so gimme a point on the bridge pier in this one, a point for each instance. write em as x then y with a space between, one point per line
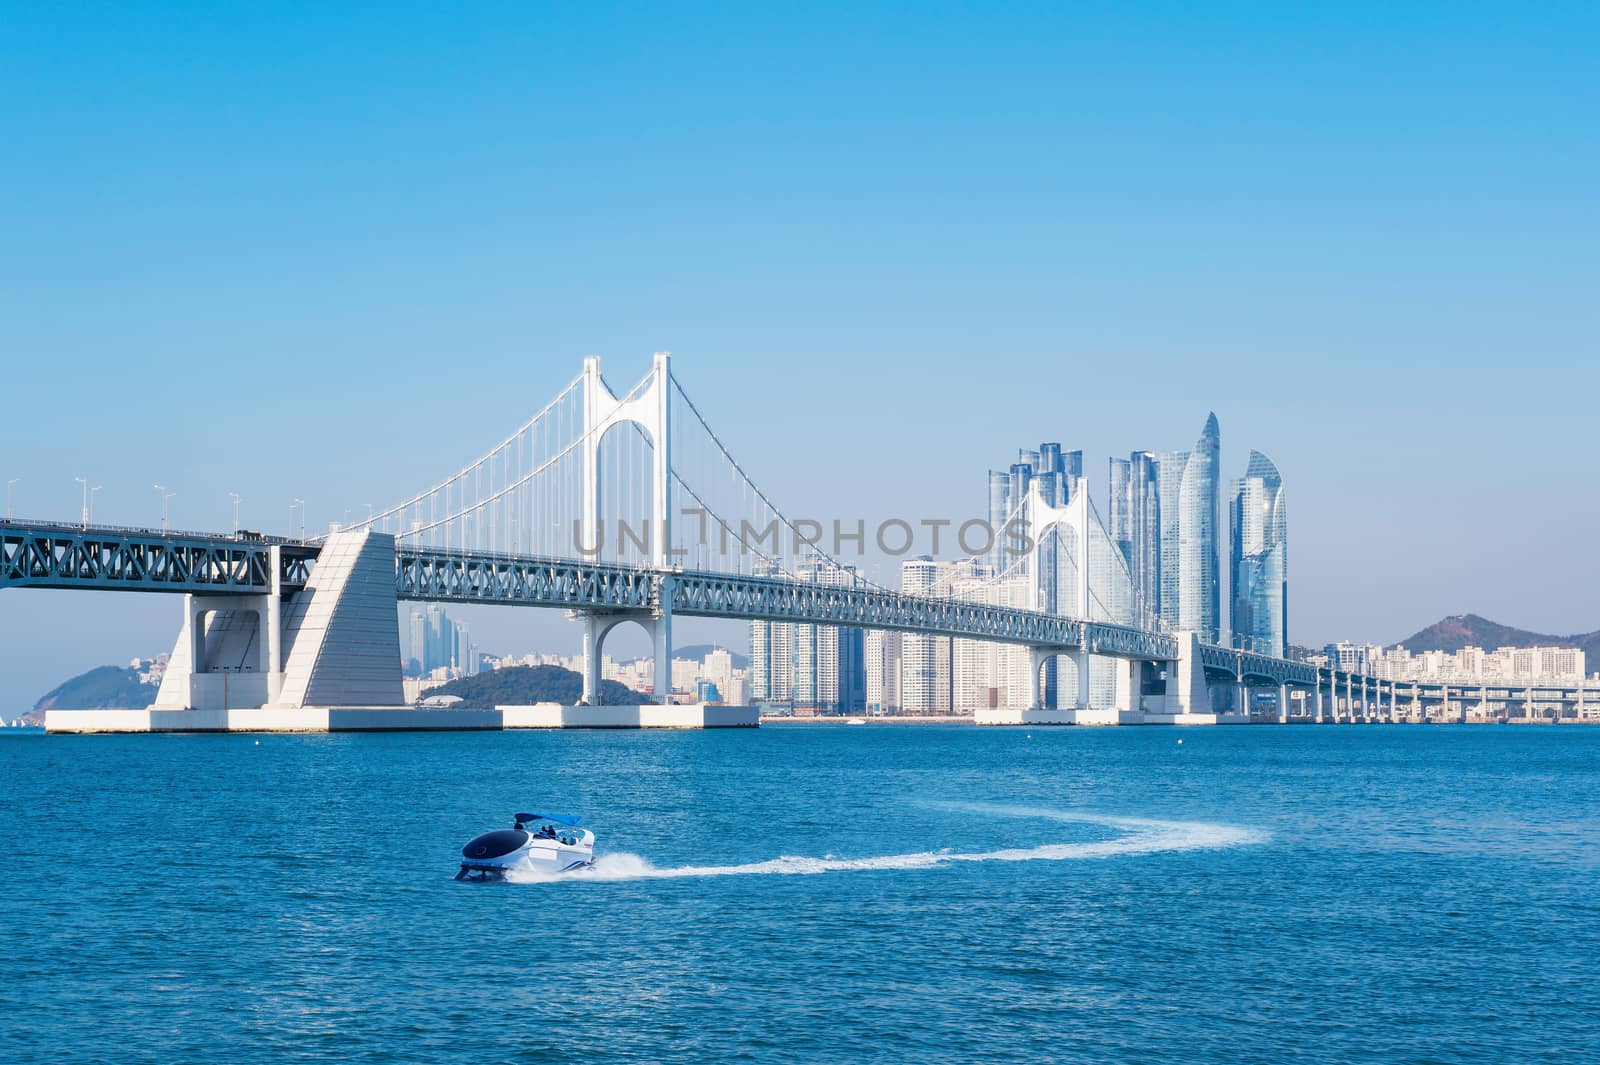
335 643
274 662
1037 658
596 627
1128 685
1188 696
218 660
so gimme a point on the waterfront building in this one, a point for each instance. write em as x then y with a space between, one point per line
812 667
772 661
415 664
1072 475
438 643
881 654
1135 528
829 674
1469 665
999 513
1189 508
1258 576
985 675
924 660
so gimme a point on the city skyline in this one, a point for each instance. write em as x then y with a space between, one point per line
1295 243
1159 563
1066 468
1006 532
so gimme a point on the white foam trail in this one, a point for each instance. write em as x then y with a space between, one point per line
1139 836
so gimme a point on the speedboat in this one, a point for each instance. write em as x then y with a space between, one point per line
535 843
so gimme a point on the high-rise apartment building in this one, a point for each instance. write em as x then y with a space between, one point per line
1135 520
1190 568
771 661
881 653
983 674
437 642
924 660
1258 577
419 645
813 667
1000 506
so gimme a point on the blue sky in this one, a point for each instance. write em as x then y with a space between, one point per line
328 252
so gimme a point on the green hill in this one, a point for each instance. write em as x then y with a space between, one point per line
522 685
102 688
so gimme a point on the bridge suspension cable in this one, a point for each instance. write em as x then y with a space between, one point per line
737 527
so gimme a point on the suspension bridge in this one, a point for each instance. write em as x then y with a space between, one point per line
618 507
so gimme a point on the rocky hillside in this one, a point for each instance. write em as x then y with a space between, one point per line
102 688
1469 630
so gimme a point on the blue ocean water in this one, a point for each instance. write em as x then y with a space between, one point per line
809 893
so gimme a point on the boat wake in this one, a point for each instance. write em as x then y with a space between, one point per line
1136 836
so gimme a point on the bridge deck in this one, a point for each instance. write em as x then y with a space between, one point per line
38 554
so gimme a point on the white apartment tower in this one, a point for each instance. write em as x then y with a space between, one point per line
924 660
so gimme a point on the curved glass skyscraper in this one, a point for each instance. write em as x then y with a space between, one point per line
1260 576
1190 567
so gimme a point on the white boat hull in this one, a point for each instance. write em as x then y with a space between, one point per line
538 856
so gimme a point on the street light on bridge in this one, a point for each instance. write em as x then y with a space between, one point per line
165 495
9 485
301 503
235 496
85 482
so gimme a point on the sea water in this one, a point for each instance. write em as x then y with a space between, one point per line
809 893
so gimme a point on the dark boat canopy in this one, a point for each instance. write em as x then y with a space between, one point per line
494 844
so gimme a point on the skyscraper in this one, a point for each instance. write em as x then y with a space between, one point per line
881 655
1259 574
924 660
771 661
419 645
438 650
1169 482
1136 528
438 642
816 667
1071 474
999 512
1200 600
1189 506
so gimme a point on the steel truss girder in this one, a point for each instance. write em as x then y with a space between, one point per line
38 555
603 586
506 579
774 599
1248 664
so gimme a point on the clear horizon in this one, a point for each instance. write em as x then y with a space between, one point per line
311 255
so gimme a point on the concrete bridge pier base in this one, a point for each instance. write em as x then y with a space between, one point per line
595 629
1080 663
334 644
1037 658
